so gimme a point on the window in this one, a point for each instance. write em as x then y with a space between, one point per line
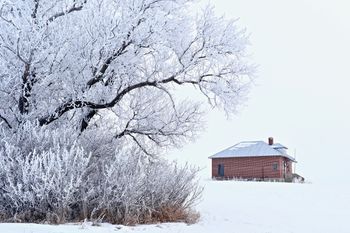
221 171
275 166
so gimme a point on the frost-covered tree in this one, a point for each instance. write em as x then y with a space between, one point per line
117 65
89 96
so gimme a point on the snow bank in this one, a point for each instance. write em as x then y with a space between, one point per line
243 207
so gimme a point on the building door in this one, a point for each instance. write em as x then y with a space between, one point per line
221 170
284 169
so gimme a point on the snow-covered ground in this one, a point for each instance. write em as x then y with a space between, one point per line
243 207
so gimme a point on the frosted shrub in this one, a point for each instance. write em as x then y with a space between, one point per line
44 183
153 192
48 178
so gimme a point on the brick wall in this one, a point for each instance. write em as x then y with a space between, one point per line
252 167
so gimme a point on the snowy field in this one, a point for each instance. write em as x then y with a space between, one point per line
243 207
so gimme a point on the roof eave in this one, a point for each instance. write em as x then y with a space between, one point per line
243 156
248 156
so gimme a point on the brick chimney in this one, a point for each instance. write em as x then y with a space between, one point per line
270 141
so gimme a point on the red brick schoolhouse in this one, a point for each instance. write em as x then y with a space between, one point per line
253 160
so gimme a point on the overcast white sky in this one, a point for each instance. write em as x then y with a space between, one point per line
302 91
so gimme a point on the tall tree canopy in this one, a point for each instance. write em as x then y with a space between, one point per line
116 65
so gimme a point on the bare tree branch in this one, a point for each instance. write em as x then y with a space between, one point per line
86 119
36 7
27 82
6 121
74 8
140 146
80 104
101 73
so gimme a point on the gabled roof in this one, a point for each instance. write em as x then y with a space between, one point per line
253 149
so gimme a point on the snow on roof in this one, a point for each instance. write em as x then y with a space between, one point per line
253 149
278 145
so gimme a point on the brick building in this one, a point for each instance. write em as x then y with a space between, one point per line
253 160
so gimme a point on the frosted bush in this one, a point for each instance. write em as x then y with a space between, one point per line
46 180
42 185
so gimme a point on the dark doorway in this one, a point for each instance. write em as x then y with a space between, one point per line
221 170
